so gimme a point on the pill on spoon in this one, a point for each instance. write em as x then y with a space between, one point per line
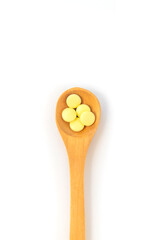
73 101
76 125
87 118
68 114
82 108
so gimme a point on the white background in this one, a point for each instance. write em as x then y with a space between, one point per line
110 48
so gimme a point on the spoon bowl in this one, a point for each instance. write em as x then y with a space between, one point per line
77 144
87 98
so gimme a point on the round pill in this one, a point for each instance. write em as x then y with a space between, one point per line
73 101
82 108
87 118
68 114
76 125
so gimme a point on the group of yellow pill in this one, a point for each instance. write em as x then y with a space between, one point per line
77 114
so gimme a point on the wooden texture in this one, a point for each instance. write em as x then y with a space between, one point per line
77 146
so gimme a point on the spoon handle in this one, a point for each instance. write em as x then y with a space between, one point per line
77 150
77 212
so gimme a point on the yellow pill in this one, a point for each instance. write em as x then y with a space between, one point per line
76 125
68 114
73 101
82 108
87 118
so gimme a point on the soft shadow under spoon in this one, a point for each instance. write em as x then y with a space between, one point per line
77 144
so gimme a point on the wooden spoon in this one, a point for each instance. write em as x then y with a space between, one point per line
77 144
